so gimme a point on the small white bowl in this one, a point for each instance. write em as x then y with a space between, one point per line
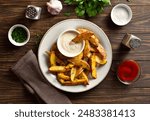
121 14
64 45
12 40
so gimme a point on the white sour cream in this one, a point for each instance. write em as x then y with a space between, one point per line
66 46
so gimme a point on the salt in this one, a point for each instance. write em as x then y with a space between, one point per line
121 14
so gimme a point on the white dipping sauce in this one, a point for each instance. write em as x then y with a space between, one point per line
121 14
69 46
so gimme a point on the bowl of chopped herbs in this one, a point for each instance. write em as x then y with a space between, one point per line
18 35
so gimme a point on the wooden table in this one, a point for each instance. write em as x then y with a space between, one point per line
110 90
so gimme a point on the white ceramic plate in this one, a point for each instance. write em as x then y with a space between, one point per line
50 38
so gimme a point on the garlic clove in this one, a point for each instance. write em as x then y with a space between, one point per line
54 7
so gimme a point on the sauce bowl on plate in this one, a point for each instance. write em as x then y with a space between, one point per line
66 46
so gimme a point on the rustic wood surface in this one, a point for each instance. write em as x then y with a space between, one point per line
110 90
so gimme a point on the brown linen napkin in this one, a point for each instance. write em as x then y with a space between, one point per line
27 69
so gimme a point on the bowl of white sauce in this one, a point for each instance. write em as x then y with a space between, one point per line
66 46
121 14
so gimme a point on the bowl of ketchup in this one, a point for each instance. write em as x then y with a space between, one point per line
128 72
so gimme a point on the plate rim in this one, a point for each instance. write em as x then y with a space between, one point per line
53 26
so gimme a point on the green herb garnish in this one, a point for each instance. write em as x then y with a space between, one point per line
19 34
88 7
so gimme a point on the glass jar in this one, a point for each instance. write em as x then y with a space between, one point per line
128 72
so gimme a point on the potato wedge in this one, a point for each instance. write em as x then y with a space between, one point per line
69 66
74 83
78 72
57 69
63 76
83 64
94 40
89 54
52 58
61 81
86 48
100 61
93 66
80 63
73 73
78 57
84 76
102 51
82 36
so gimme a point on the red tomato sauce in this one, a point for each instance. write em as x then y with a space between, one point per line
128 70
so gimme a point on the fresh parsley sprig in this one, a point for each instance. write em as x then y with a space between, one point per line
88 7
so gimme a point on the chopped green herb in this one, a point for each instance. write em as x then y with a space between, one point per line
19 34
88 7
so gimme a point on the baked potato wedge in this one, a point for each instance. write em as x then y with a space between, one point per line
78 72
84 76
82 36
78 57
93 39
100 61
52 58
74 82
63 76
86 48
93 66
101 51
73 73
80 63
58 69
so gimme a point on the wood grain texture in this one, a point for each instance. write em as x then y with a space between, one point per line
110 90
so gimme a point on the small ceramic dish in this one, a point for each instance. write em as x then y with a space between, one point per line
121 14
66 46
18 35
